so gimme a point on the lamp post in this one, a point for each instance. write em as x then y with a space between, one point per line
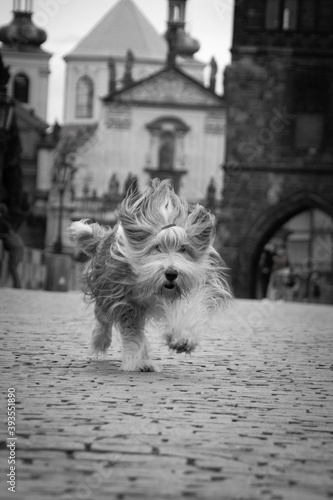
59 263
62 175
6 117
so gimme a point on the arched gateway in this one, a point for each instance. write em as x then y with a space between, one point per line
244 240
272 226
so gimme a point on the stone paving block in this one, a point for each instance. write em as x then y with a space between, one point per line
247 417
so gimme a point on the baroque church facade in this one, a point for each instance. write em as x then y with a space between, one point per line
141 99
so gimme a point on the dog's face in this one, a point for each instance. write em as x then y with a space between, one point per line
166 242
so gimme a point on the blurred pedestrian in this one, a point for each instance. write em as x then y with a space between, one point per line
266 266
281 275
315 289
13 244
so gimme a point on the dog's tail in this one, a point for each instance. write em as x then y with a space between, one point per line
88 236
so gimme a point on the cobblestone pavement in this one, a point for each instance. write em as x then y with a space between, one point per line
247 417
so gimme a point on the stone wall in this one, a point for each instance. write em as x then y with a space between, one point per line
268 179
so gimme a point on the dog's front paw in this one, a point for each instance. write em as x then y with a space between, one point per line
149 367
180 343
141 366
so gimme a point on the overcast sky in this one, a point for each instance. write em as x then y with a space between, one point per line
67 21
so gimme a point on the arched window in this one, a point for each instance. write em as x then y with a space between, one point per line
84 98
290 15
176 13
166 151
311 94
281 14
21 87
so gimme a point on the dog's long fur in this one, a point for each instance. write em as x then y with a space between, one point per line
157 262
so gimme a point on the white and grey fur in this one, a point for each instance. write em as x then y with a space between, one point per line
157 262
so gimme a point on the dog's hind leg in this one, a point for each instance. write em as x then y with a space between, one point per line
101 336
136 357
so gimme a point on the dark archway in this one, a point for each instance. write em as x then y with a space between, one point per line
269 223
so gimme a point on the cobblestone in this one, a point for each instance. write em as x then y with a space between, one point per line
247 417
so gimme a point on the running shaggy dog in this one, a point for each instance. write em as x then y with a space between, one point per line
157 263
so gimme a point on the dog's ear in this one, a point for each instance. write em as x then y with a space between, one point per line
200 228
136 232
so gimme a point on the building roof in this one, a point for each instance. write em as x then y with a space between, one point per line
123 27
171 86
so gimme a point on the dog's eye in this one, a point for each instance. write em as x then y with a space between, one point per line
182 249
157 248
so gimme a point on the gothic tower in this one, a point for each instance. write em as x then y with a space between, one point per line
279 160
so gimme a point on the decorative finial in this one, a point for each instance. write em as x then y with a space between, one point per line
112 76
129 61
211 195
213 72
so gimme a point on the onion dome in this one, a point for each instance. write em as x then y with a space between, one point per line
180 42
22 31
186 46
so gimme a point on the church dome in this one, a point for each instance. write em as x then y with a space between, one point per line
186 45
22 31
180 42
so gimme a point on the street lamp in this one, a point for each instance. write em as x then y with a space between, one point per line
6 111
6 117
63 171
63 174
6 104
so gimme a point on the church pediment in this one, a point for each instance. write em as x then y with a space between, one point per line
169 87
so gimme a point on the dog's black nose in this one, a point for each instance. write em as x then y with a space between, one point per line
171 274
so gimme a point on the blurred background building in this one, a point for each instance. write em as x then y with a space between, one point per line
122 47
26 142
141 99
137 106
278 190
